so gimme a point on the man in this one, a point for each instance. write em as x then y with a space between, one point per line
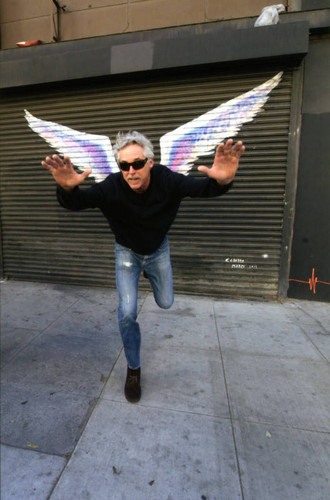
140 203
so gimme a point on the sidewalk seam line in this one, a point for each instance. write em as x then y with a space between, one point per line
229 406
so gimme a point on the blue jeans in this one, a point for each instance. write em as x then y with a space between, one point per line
129 266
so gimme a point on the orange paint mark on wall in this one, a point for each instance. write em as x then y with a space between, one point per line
311 282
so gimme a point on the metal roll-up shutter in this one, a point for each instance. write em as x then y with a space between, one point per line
224 246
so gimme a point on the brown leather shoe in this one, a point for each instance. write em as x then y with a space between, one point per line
132 385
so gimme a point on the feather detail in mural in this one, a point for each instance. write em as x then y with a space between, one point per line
85 150
181 147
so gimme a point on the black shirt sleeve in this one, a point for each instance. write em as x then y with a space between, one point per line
198 187
80 199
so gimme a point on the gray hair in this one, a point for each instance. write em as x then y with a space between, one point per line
133 137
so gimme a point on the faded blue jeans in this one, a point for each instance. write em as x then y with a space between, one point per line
129 266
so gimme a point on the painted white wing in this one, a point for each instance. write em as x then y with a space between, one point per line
181 147
85 150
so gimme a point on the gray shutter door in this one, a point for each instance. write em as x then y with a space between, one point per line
221 247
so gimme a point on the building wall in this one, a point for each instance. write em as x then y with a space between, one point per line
23 20
310 267
309 274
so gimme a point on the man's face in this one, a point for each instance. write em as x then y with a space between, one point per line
138 180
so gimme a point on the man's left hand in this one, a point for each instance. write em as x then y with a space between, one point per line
225 163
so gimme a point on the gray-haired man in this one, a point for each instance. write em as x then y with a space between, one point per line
140 203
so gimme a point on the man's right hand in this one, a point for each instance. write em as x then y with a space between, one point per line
64 173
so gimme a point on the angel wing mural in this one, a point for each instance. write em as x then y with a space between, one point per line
85 150
180 148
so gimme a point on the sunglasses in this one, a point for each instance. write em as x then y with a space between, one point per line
137 164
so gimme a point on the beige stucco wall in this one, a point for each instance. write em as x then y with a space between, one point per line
23 20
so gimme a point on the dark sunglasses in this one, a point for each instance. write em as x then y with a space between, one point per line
137 164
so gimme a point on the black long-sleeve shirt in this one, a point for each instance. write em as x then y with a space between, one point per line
141 221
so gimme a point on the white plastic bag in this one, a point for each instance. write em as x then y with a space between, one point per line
269 15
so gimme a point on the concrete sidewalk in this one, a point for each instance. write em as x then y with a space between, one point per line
235 402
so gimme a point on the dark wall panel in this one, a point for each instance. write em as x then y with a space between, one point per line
310 267
310 263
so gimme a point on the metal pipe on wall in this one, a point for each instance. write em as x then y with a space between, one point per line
55 20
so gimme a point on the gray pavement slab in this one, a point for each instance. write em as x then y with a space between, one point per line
260 329
289 392
13 340
175 379
67 362
314 320
310 313
94 314
278 463
58 346
28 474
35 305
321 342
189 322
179 352
43 419
135 452
235 400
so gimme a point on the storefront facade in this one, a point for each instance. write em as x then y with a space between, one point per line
154 81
